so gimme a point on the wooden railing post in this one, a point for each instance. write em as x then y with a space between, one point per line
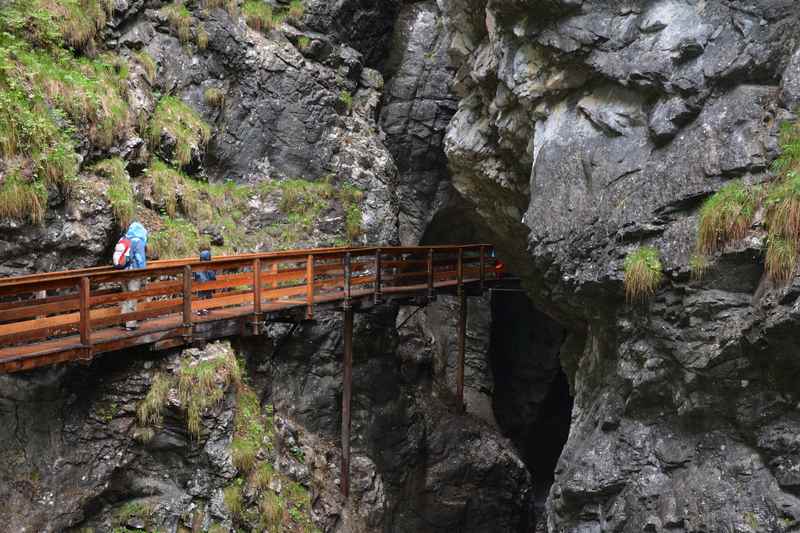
460 268
310 287
431 291
187 304
256 296
86 318
378 292
347 275
483 268
347 394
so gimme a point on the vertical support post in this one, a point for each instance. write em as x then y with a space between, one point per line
310 287
187 304
256 296
483 268
462 329
378 292
462 338
347 395
274 272
431 292
86 319
347 275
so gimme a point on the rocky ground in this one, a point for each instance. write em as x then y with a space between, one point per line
569 133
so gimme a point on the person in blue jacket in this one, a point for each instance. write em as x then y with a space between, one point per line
204 276
137 234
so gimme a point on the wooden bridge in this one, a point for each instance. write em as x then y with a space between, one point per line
76 315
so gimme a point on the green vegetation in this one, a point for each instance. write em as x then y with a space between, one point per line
783 223
134 510
214 97
148 64
262 475
183 124
271 511
232 498
149 411
202 38
698 264
726 216
643 273
303 42
347 99
203 383
252 430
120 191
22 199
57 23
296 10
258 15
180 19
178 238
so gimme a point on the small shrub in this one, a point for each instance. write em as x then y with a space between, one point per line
258 15
271 511
149 411
643 273
296 10
180 19
148 64
214 97
726 217
347 99
202 38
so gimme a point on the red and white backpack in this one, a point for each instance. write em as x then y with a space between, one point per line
122 253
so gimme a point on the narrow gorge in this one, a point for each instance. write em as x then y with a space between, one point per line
590 141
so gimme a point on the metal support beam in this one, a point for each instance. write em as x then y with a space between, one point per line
462 338
347 394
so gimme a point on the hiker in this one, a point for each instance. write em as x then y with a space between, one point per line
202 277
130 254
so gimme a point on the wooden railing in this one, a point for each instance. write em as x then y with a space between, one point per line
54 317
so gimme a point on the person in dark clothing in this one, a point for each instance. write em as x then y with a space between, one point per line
202 277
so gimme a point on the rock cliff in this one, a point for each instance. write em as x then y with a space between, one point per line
568 132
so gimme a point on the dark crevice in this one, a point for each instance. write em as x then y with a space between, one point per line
532 402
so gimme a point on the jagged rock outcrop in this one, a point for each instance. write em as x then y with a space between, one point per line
588 128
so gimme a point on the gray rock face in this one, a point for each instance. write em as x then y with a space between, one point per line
417 106
584 130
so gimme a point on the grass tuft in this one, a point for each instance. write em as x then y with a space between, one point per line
120 190
177 239
781 259
183 124
643 274
233 499
258 15
271 509
202 38
180 19
22 199
214 97
303 43
698 264
149 65
296 10
347 99
149 411
726 217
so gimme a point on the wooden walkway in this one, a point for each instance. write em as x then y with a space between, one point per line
75 315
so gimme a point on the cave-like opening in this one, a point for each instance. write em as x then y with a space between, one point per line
532 401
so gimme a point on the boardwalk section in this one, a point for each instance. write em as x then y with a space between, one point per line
75 315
